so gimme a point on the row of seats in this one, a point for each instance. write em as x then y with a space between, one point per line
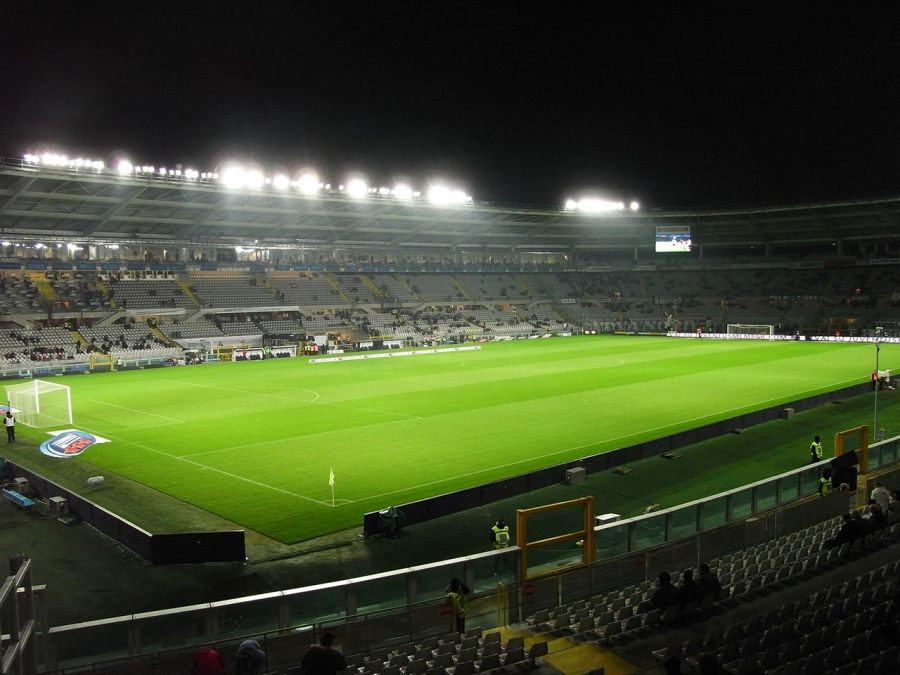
627 611
835 629
450 654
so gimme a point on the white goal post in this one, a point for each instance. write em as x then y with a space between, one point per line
736 330
40 403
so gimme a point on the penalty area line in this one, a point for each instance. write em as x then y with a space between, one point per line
221 471
139 412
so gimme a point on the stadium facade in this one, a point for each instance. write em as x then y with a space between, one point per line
379 264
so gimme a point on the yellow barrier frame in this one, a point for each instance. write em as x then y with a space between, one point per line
585 535
862 453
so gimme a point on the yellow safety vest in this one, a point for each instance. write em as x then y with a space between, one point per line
501 536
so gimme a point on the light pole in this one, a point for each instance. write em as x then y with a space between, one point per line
878 331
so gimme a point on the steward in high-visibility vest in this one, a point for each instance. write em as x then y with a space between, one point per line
825 483
815 450
500 534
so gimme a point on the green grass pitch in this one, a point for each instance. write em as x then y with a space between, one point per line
254 442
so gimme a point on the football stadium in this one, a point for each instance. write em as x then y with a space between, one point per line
447 338
223 370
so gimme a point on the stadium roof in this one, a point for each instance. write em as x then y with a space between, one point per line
61 204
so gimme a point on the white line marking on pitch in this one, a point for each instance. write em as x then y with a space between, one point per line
221 471
298 400
252 393
140 412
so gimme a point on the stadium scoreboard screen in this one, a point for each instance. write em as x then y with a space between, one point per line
673 238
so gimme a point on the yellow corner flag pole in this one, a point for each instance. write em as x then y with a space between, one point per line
331 483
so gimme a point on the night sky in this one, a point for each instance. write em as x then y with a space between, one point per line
674 104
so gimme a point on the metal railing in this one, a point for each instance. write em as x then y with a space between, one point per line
375 608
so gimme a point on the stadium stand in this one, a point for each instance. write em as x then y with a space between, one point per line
218 289
842 626
144 294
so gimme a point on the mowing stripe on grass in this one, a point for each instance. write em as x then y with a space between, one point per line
799 394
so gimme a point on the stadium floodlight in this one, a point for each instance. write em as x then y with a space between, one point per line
191 174
281 182
255 179
594 205
384 192
54 160
634 206
125 167
403 192
234 177
443 195
357 188
97 165
308 183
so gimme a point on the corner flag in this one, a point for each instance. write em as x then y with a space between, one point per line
331 483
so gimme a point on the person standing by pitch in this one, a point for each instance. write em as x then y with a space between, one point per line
10 423
815 451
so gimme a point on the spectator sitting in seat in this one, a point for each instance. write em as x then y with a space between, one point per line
250 658
849 532
709 583
323 658
874 516
688 590
666 594
893 512
881 495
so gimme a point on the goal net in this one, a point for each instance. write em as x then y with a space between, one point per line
744 329
40 404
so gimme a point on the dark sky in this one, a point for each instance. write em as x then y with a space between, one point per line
674 104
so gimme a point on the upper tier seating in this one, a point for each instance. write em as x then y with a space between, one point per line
145 294
231 290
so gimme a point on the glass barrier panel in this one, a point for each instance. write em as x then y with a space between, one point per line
431 583
489 570
252 616
875 460
172 630
809 481
379 594
553 557
612 541
649 532
309 607
887 453
765 497
106 640
789 489
553 523
740 505
713 514
683 523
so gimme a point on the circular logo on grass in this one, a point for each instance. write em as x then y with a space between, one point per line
68 444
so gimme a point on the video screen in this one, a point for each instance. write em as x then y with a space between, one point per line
673 239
